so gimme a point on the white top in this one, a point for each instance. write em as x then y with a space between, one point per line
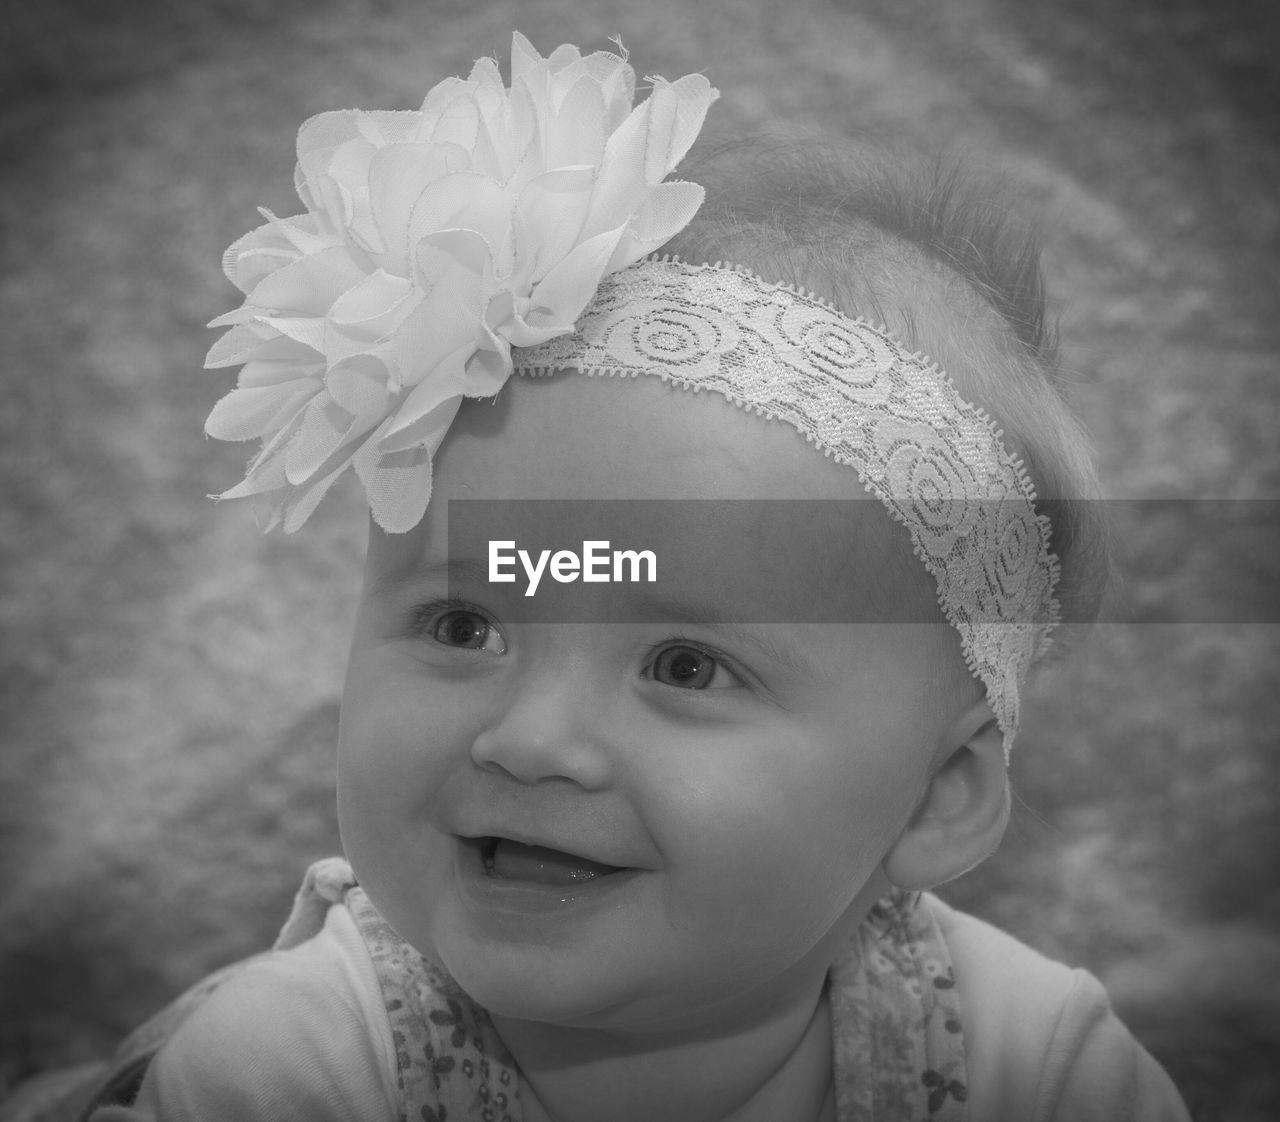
303 1035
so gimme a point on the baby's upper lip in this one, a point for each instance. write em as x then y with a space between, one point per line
600 855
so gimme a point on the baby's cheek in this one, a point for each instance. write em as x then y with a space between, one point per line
377 757
807 844
368 793
385 783
756 848
387 762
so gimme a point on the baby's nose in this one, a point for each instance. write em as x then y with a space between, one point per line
547 730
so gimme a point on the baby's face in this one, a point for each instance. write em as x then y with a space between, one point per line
645 823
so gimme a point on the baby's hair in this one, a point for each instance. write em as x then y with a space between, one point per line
937 254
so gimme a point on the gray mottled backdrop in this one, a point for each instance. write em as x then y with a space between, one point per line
169 678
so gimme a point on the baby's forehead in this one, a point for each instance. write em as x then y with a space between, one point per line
744 516
574 436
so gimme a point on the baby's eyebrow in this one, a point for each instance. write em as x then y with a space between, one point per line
778 654
676 611
454 568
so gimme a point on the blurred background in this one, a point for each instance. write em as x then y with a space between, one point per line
169 678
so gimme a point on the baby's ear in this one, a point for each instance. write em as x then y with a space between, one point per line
963 812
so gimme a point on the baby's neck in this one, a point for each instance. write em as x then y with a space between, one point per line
777 1066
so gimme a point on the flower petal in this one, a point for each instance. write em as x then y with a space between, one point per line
264 475
388 126
564 57
441 100
488 370
239 345
426 432
309 331
495 150
486 77
325 427
397 176
309 285
459 119
301 504
373 308
258 253
524 57
438 326
679 109
399 490
325 131
260 372
359 385
318 138
250 412
668 210
579 135
558 301
272 347
646 146
457 257
398 483
448 379
464 200
246 313
548 219
302 232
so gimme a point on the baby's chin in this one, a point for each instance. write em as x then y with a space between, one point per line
551 988
592 1000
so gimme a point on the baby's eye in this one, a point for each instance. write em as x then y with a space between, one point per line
467 629
691 668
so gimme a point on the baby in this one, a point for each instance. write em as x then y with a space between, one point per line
642 833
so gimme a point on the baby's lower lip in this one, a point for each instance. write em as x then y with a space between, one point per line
513 861
545 886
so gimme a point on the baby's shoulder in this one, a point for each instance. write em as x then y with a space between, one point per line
994 971
1041 1039
297 1033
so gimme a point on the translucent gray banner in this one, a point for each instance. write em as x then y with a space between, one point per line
827 561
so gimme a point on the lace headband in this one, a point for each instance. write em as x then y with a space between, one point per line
936 462
437 241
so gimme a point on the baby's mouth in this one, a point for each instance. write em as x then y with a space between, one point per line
511 860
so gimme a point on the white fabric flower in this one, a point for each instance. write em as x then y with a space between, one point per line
434 242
